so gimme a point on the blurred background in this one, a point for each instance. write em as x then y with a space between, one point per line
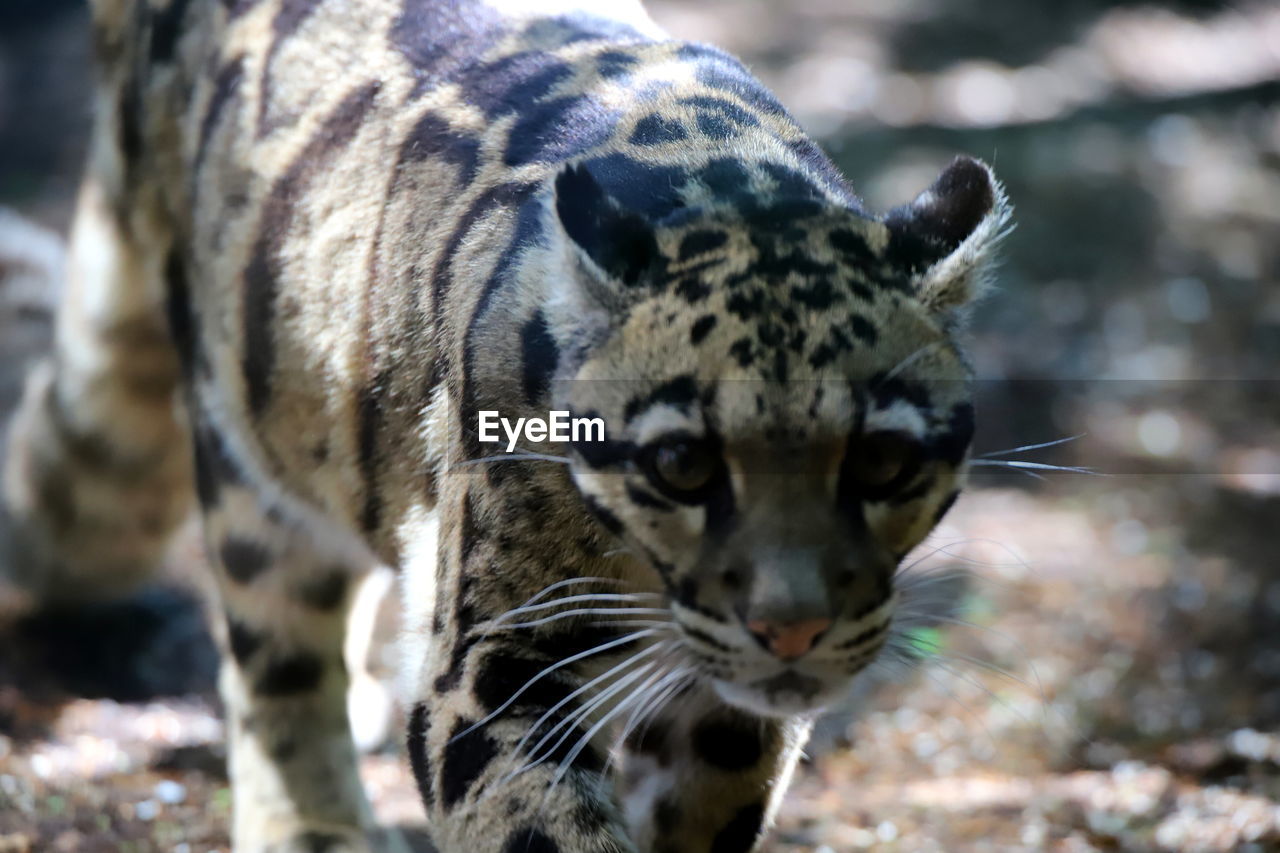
1110 679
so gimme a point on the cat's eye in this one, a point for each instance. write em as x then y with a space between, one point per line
880 462
684 467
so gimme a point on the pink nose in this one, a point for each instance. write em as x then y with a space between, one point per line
789 641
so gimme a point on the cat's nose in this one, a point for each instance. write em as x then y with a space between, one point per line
790 640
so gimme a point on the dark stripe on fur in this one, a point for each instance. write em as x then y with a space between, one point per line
261 276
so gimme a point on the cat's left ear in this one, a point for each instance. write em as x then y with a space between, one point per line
945 239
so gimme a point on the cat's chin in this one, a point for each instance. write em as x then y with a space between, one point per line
782 696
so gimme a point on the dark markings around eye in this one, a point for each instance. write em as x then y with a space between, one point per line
951 444
604 454
602 514
945 506
680 392
647 499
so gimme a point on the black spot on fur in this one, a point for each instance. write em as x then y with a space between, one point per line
300 672
166 29
565 639
614 63
504 672
530 841
728 743
719 70
319 842
692 289
728 179
656 130
369 421
262 273
437 39
213 467
433 138
515 83
794 186
130 117
699 242
862 329
503 195
325 592
701 328
182 326
539 355
744 351
739 834
284 750
666 817
226 83
419 756
243 640
243 559
746 305
853 246
819 295
652 738
465 758
557 130
715 127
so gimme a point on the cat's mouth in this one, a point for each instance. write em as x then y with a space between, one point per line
784 694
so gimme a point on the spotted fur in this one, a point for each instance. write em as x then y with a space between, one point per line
317 238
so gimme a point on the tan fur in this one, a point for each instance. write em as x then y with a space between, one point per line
362 223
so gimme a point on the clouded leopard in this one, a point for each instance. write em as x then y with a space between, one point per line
317 238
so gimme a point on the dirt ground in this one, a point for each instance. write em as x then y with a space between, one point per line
1111 680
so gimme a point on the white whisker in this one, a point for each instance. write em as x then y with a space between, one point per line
647 707
908 361
609 673
513 457
582 712
1036 466
591 611
567 764
612 644
626 597
1024 448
